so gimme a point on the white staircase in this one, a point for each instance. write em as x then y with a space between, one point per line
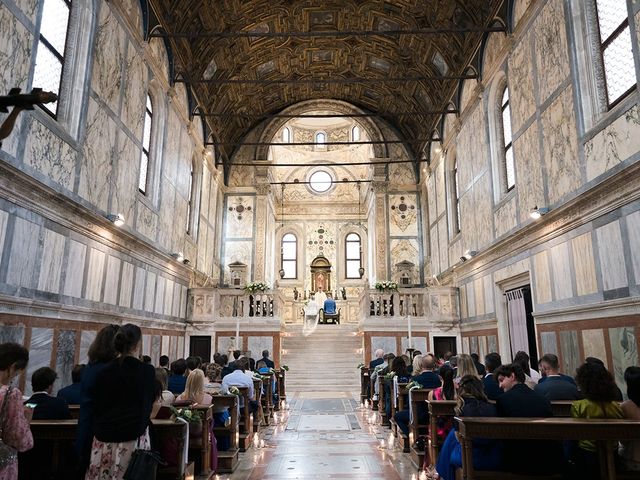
325 361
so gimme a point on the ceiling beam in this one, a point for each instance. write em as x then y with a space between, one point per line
324 115
328 164
298 144
330 34
180 78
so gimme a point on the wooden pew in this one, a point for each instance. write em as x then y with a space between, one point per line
61 432
401 402
416 428
365 384
257 396
267 398
246 422
381 401
75 411
227 460
282 393
603 431
200 447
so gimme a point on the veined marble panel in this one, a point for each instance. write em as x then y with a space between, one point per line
173 347
139 289
168 297
612 261
147 221
160 53
614 144
146 345
594 344
633 228
519 9
108 58
465 345
28 7
471 299
388 344
506 217
12 334
512 270
468 96
150 291
401 250
172 146
584 264
488 294
570 353
478 294
561 147
482 347
472 143
440 189
179 228
464 311
65 356
96 176
86 339
243 207
403 222
160 291
419 343
39 353
180 341
175 310
494 46
183 302
237 251
492 344
521 90
435 250
257 344
124 197
431 198
183 176
548 343
49 155
624 351
552 55
167 216
95 274
180 100
51 265
561 271
111 283
542 280
473 344
135 92
443 239
126 285
22 261
483 212
226 345
203 251
530 188
75 269
155 349
164 347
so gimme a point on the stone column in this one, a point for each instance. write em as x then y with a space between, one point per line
378 221
261 256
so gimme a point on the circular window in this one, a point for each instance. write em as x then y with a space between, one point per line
320 181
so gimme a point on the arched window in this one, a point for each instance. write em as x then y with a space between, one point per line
290 256
355 133
456 198
286 135
146 146
321 139
507 142
353 255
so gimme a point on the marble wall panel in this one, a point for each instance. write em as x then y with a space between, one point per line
478 294
156 343
584 264
464 311
139 289
86 339
160 291
403 215
519 9
29 8
560 148
47 154
467 97
112 279
124 197
108 56
483 213
440 189
431 198
180 228
612 261
237 251
516 268
173 347
96 178
624 351
150 292
183 302
172 147
443 241
488 294
633 229
4 218
39 353
164 347
159 51
135 91
168 298
167 216
419 343
561 271
529 181
614 144
183 176
256 345
548 343
482 347
570 352
473 344
95 275
471 299
492 343
65 358
146 345
521 91
388 344
22 261
435 250
552 54
506 217
126 285
203 251
471 149
12 334
51 265
496 42
175 308
542 280
239 227
594 344
465 345
225 344
75 269
147 221
181 346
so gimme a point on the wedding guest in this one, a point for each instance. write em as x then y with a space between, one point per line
166 396
14 417
72 394
630 450
194 390
47 407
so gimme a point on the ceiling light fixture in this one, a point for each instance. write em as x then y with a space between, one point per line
536 212
116 218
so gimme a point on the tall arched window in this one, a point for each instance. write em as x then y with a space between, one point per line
50 55
507 141
355 133
353 255
146 145
290 256
286 135
321 139
456 198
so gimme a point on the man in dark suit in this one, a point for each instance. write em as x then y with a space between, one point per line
72 394
378 361
47 407
555 387
492 361
520 401
549 365
267 361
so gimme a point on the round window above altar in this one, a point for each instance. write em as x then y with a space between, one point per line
320 181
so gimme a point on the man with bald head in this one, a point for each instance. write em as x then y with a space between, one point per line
378 360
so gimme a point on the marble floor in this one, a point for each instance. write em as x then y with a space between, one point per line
324 436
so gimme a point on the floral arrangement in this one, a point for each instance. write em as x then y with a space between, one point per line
390 375
413 385
188 414
234 391
360 365
285 368
253 287
386 286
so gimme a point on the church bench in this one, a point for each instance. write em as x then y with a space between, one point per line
417 396
267 398
75 411
227 459
381 401
399 403
257 397
246 421
365 384
282 394
200 444
63 432
603 431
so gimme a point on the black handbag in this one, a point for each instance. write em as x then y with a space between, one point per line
143 465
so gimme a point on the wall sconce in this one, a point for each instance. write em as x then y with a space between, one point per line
469 254
178 256
463 259
116 218
536 212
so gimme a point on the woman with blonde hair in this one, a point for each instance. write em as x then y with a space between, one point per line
416 365
194 389
466 366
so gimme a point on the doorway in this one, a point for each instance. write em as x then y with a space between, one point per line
200 346
442 345
522 330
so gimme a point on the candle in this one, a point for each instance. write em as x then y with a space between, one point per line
366 404
237 333
275 418
409 328
382 445
414 476
391 442
256 441
261 443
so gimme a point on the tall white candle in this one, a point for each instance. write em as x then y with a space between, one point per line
237 333
409 329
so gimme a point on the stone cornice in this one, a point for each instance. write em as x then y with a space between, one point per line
25 191
611 308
